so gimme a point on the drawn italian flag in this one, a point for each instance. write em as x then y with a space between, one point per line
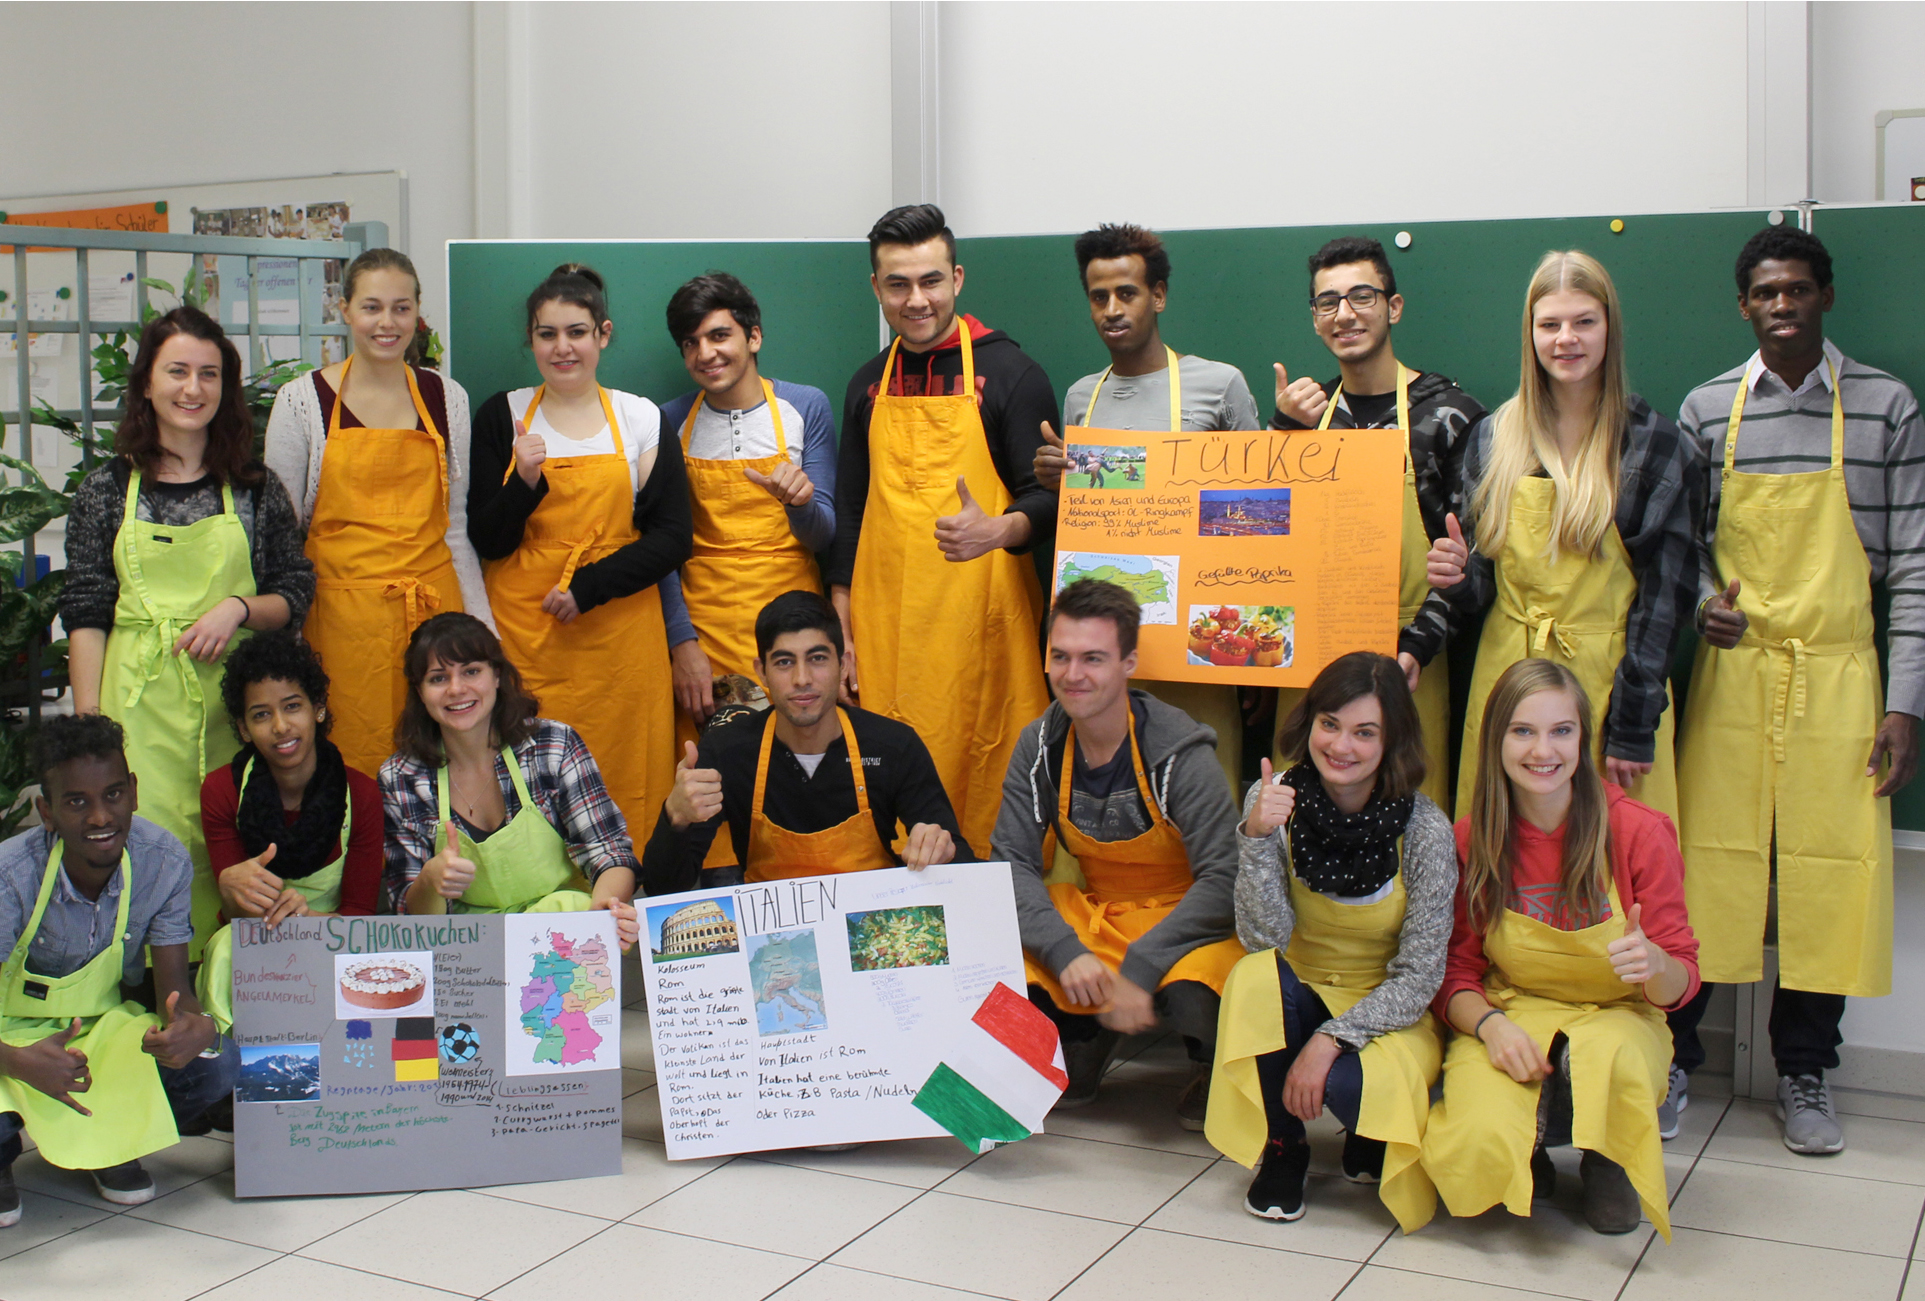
1000 1078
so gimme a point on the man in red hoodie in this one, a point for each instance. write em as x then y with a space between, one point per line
939 603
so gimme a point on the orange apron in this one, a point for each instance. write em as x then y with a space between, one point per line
1132 885
379 543
606 674
776 853
745 556
949 649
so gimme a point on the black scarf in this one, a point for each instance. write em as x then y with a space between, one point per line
314 839
1345 854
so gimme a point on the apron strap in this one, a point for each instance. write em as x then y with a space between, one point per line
1136 759
1176 392
1404 375
580 548
16 963
1738 415
1544 629
420 408
775 417
856 772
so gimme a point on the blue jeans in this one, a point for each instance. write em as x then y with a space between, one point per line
191 1090
1343 1088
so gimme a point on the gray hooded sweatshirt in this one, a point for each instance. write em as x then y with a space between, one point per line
1179 756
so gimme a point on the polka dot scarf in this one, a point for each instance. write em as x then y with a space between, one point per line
1345 854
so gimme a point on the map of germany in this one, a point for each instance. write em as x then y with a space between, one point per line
566 982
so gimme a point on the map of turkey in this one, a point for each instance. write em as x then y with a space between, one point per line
1150 579
566 982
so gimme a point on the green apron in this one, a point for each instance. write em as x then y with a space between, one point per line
321 889
131 1116
524 867
170 705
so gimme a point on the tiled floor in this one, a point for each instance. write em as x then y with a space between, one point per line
1114 1202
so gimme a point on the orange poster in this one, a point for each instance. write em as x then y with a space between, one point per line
1258 557
125 216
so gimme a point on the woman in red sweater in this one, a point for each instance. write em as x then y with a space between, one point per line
1570 943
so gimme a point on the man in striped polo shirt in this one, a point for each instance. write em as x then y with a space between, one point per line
1790 749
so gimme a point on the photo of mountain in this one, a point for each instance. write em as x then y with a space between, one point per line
280 1073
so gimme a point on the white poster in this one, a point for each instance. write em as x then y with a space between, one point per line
810 1011
563 985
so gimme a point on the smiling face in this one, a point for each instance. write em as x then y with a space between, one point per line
1122 304
185 386
1569 332
1786 308
720 353
460 697
917 286
1087 669
567 344
89 802
1354 336
1348 748
1543 744
800 673
382 313
282 722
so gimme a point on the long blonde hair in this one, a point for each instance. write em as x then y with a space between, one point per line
1586 869
1524 430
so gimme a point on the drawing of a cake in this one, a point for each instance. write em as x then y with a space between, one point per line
383 983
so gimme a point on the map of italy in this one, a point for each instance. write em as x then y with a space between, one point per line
1150 579
566 982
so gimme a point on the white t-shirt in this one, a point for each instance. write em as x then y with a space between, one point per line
743 435
809 762
640 419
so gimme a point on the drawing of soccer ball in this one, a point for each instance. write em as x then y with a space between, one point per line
459 1042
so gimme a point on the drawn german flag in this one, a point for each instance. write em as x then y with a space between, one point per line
415 1057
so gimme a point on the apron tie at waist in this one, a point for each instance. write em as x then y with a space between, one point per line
154 650
1788 700
1544 630
575 554
415 595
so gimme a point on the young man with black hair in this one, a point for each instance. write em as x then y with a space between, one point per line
1353 305
1820 495
1130 787
784 781
1149 386
939 503
97 1080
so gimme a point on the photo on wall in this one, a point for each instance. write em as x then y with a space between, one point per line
1097 465
1243 513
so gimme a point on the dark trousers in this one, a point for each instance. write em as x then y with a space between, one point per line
1343 1088
1804 1031
191 1090
1189 1006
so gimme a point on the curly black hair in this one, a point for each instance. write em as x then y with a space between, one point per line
274 656
1783 244
1114 241
67 737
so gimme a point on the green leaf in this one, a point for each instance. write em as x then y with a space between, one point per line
161 285
29 507
10 565
25 613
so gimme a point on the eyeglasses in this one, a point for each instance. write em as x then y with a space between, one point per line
1361 298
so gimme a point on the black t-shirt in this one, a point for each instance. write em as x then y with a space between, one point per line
1373 410
1105 802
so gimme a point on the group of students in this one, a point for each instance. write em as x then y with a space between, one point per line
562 555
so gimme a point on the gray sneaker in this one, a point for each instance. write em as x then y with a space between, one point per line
1811 1126
9 1199
1675 1101
1610 1202
1193 1105
1084 1062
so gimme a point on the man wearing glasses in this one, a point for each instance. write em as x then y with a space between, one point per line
1353 303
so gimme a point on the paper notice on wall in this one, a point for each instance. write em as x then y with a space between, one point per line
811 1011
110 297
42 305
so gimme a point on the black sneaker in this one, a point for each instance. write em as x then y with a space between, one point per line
1543 1176
1193 1104
1277 1191
1083 1062
1363 1159
127 1184
9 1199
1610 1202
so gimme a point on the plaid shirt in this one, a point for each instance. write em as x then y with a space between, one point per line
1661 487
561 776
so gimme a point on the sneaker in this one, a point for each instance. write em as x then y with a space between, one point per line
1083 1062
9 1199
1811 1126
1610 1202
1543 1176
1277 1191
1363 1159
127 1184
1675 1101
1194 1104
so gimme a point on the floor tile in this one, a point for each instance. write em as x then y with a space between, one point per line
464 1242
647 1175
1106 1181
1344 1221
188 1161
634 1081
642 1115
1155 1266
103 1259
1378 1283
1005 1251
1800 1206
1163 1060
774 1207
297 1276
1914 1285
638 1049
1131 1111
911 1162
1874 1149
840 1283
1715 1267
1554 1249
1694 1127
278 1223
1570 1178
44 1218
629 1260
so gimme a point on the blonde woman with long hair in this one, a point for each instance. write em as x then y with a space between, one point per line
1578 529
1571 941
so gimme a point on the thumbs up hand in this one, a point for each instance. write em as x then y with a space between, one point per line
178 1039
248 889
1273 806
1444 566
48 1066
1300 401
788 485
452 874
1635 958
1051 460
971 531
697 793
1724 622
531 451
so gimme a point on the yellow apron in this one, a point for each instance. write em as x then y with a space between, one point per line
1132 885
523 867
1343 952
950 649
379 545
170 705
131 1116
606 674
776 853
1478 1146
1572 612
322 890
1211 704
1433 684
1806 675
745 556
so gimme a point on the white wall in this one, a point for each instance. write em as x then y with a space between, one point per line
1865 57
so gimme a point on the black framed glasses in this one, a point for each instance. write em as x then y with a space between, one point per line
1361 298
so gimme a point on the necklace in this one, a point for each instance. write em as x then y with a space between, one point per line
470 810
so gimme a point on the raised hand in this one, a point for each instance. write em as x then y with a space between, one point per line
1301 400
697 793
928 844
1274 805
531 451
1051 460
1635 958
971 531
178 1039
788 485
50 1067
248 889
453 874
1724 622
1444 565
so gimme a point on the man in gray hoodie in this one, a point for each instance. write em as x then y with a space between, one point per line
1131 789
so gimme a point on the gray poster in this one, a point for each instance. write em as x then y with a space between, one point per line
392 1054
